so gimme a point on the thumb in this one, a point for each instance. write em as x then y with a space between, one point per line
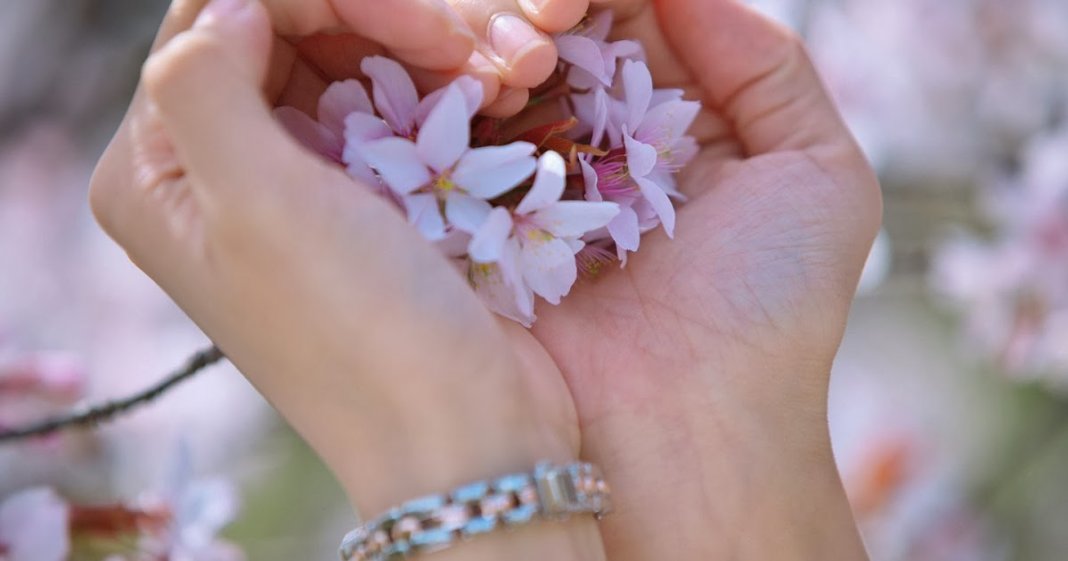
757 72
206 85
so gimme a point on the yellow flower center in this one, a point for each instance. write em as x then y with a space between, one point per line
444 184
537 235
483 270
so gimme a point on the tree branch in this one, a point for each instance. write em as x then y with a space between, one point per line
111 410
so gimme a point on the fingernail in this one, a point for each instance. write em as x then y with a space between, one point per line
219 9
511 35
535 6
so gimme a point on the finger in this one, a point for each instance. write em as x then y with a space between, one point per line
426 33
137 192
555 16
524 55
761 79
510 102
180 16
623 9
337 56
206 85
303 89
756 72
478 67
139 196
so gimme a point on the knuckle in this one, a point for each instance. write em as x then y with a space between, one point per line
792 51
164 69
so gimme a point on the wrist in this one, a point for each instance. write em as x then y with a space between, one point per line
402 460
446 458
785 476
737 468
430 440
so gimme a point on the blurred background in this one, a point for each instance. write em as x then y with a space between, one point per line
950 396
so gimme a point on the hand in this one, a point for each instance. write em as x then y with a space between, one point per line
669 453
360 333
700 371
503 43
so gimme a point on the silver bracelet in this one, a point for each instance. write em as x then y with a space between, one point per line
437 522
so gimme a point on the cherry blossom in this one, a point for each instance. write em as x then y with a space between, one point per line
535 244
439 167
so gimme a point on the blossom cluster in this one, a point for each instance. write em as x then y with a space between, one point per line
522 204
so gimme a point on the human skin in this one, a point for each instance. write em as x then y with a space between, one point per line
696 377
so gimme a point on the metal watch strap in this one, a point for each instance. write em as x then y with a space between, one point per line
437 522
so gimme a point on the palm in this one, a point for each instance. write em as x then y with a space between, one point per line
760 265
737 277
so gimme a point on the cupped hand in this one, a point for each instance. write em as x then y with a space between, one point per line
700 371
364 336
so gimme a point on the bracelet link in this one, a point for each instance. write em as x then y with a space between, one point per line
437 522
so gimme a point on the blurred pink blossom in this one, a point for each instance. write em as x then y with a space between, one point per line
1013 288
34 526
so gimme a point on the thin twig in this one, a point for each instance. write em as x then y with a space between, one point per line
111 410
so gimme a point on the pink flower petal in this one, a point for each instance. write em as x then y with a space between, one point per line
491 171
465 212
395 95
666 180
576 245
681 153
641 157
513 275
638 88
503 291
310 133
549 268
667 122
625 230
625 50
600 25
339 101
361 128
549 184
488 243
589 175
425 214
601 107
579 79
664 95
35 526
398 162
572 219
584 53
446 134
470 87
660 202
